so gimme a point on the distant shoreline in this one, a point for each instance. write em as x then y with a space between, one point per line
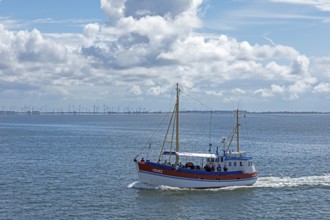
8 113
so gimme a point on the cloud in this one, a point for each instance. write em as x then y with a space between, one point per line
45 23
139 36
171 8
296 79
117 10
300 65
272 91
322 88
321 67
38 62
136 90
24 46
269 40
323 5
114 9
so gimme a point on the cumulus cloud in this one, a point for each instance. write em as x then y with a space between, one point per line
114 9
36 64
140 36
322 88
321 67
136 90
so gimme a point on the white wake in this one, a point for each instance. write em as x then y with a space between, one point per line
276 182
132 185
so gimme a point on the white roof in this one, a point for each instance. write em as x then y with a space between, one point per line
188 154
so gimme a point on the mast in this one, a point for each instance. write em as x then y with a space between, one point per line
237 131
177 124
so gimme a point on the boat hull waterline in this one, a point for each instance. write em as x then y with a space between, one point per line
184 178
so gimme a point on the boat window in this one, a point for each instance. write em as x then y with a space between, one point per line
235 163
229 164
221 159
241 163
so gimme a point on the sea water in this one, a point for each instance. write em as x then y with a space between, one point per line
81 167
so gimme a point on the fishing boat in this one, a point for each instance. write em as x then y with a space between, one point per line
222 168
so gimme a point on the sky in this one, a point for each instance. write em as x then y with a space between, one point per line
259 55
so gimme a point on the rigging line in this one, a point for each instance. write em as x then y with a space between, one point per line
251 141
162 122
231 137
201 103
171 100
211 111
168 128
159 126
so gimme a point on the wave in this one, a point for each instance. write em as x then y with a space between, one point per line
140 185
132 185
262 182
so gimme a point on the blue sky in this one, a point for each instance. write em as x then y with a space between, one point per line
263 55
